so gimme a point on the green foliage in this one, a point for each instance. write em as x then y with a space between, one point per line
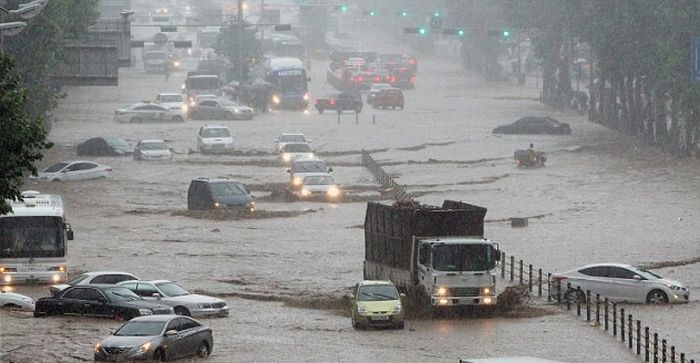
23 138
227 44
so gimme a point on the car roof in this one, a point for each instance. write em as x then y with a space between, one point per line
215 127
159 317
95 273
309 161
613 264
152 141
297 143
216 180
291 134
170 94
99 286
148 281
375 282
77 161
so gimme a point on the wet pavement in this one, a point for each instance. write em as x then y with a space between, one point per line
602 197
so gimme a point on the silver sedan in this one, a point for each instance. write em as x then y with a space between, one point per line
183 302
158 337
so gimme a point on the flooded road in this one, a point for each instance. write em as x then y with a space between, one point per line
601 198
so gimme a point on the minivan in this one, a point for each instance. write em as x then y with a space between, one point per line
219 193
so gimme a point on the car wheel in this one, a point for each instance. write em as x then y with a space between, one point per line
203 349
178 119
160 355
353 321
657 297
56 180
40 314
181 310
135 120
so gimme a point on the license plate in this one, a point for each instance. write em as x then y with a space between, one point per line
381 317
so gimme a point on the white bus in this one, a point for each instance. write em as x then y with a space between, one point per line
33 240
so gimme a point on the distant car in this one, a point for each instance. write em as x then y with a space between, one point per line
319 186
158 337
621 282
376 304
172 101
220 193
94 277
14 301
74 170
374 89
220 109
389 97
105 301
152 150
183 302
286 138
104 146
147 112
339 101
294 151
302 168
211 139
199 98
534 125
402 78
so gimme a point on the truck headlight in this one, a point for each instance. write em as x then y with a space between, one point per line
305 193
275 99
487 300
184 108
56 278
297 181
145 312
488 290
441 291
306 96
286 157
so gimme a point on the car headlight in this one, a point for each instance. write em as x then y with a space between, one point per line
297 181
250 205
217 205
275 99
98 348
192 103
286 157
145 312
441 291
305 193
183 86
237 110
144 348
397 308
674 287
306 96
176 64
333 191
204 306
361 310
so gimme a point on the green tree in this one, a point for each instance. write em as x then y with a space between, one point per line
23 137
228 44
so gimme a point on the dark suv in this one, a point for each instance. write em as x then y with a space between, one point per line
389 97
339 102
220 193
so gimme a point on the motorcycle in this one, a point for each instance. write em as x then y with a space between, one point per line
529 158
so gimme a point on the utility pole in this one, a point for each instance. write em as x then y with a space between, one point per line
239 55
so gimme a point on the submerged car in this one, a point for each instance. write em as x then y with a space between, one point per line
287 138
389 97
339 102
535 125
182 301
104 146
104 301
376 304
214 139
301 168
147 112
74 170
220 109
219 193
295 151
152 150
94 277
621 282
317 186
172 101
374 89
158 337
15 301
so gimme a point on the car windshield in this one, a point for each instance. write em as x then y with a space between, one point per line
225 189
55 167
153 146
216 133
377 293
650 275
297 148
141 329
77 279
462 257
309 167
171 289
318 180
121 294
31 237
292 138
171 98
116 143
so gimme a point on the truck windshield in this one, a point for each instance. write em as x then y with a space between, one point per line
462 257
203 83
31 237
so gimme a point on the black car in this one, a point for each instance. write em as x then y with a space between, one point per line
340 101
104 146
99 300
535 125
221 193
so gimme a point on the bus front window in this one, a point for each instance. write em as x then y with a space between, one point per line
29 237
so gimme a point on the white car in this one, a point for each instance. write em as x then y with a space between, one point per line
199 98
148 112
74 170
294 151
96 277
621 282
301 168
152 150
11 300
183 302
286 138
214 139
318 186
172 101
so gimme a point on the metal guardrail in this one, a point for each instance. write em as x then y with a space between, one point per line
647 345
384 178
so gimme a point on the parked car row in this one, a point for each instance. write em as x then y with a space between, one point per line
172 107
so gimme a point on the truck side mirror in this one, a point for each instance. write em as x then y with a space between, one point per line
69 234
497 255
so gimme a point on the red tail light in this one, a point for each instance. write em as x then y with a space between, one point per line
331 102
413 61
392 79
360 79
413 79
353 79
377 79
558 278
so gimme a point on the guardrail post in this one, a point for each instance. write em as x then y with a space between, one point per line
673 354
568 296
614 319
579 293
606 314
558 291
646 343
663 350
503 265
630 331
597 309
529 277
622 324
539 282
520 271
512 268
639 337
588 305
656 348
549 287
682 357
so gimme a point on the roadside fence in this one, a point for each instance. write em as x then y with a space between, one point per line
595 310
386 180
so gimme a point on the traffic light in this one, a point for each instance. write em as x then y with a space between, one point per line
404 13
436 13
344 8
458 32
419 31
372 13
506 33
422 31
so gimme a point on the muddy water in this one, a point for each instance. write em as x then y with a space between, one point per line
601 198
